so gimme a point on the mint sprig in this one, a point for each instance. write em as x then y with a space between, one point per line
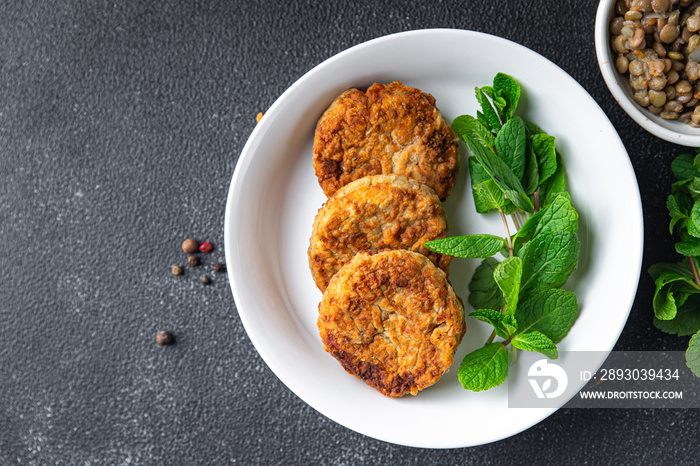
677 285
515 171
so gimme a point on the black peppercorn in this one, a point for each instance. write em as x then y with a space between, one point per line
219 267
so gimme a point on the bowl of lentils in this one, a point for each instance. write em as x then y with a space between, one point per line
649 55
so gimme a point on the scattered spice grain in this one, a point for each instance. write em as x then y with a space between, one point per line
164 338
190 246
176 270
193 261
218 267
205 280
206 247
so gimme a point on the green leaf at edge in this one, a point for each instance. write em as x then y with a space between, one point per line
479 246
490 116
692 355
505 325
483 290
508 275
485 368
536 341
553 313
509 89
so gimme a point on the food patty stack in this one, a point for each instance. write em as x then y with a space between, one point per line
386 158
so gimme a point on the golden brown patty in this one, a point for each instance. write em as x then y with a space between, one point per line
373 213
386 129
393 320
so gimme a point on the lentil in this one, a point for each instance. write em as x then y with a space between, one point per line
657 45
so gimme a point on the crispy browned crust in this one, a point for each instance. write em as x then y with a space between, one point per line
389 128
392 320
373 213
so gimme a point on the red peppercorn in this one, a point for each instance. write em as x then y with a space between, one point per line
206 247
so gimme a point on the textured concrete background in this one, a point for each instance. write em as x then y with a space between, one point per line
120 128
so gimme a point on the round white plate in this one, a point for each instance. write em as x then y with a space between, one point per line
274 197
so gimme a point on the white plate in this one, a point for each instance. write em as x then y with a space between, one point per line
274 197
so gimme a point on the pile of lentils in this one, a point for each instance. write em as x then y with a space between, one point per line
658 43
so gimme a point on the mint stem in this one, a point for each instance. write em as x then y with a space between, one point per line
537 200
508 240
515 221
695 271
493 335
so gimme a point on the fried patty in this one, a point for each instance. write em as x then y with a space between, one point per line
373 213
388 128
392 319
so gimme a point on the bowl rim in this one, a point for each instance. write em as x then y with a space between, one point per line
644 118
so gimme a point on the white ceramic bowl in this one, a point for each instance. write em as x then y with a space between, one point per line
669 130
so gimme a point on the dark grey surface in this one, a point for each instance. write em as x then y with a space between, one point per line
120 127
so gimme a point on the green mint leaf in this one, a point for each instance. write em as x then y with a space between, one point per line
498 101
469 246
536 341
687 320
467 124
505 325
511 143
664 304
693 226
531 175
509 89
489 114
674 210
487 195
681 269
548 261
473 134
557 216
552 313
692 354
554 185
689 245
484 368
671 279
508 275
683 167
543 147
484 293
692 187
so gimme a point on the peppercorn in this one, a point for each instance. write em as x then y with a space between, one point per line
193 261
218 267
176 270
206 247
205 280
190 246
164 338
